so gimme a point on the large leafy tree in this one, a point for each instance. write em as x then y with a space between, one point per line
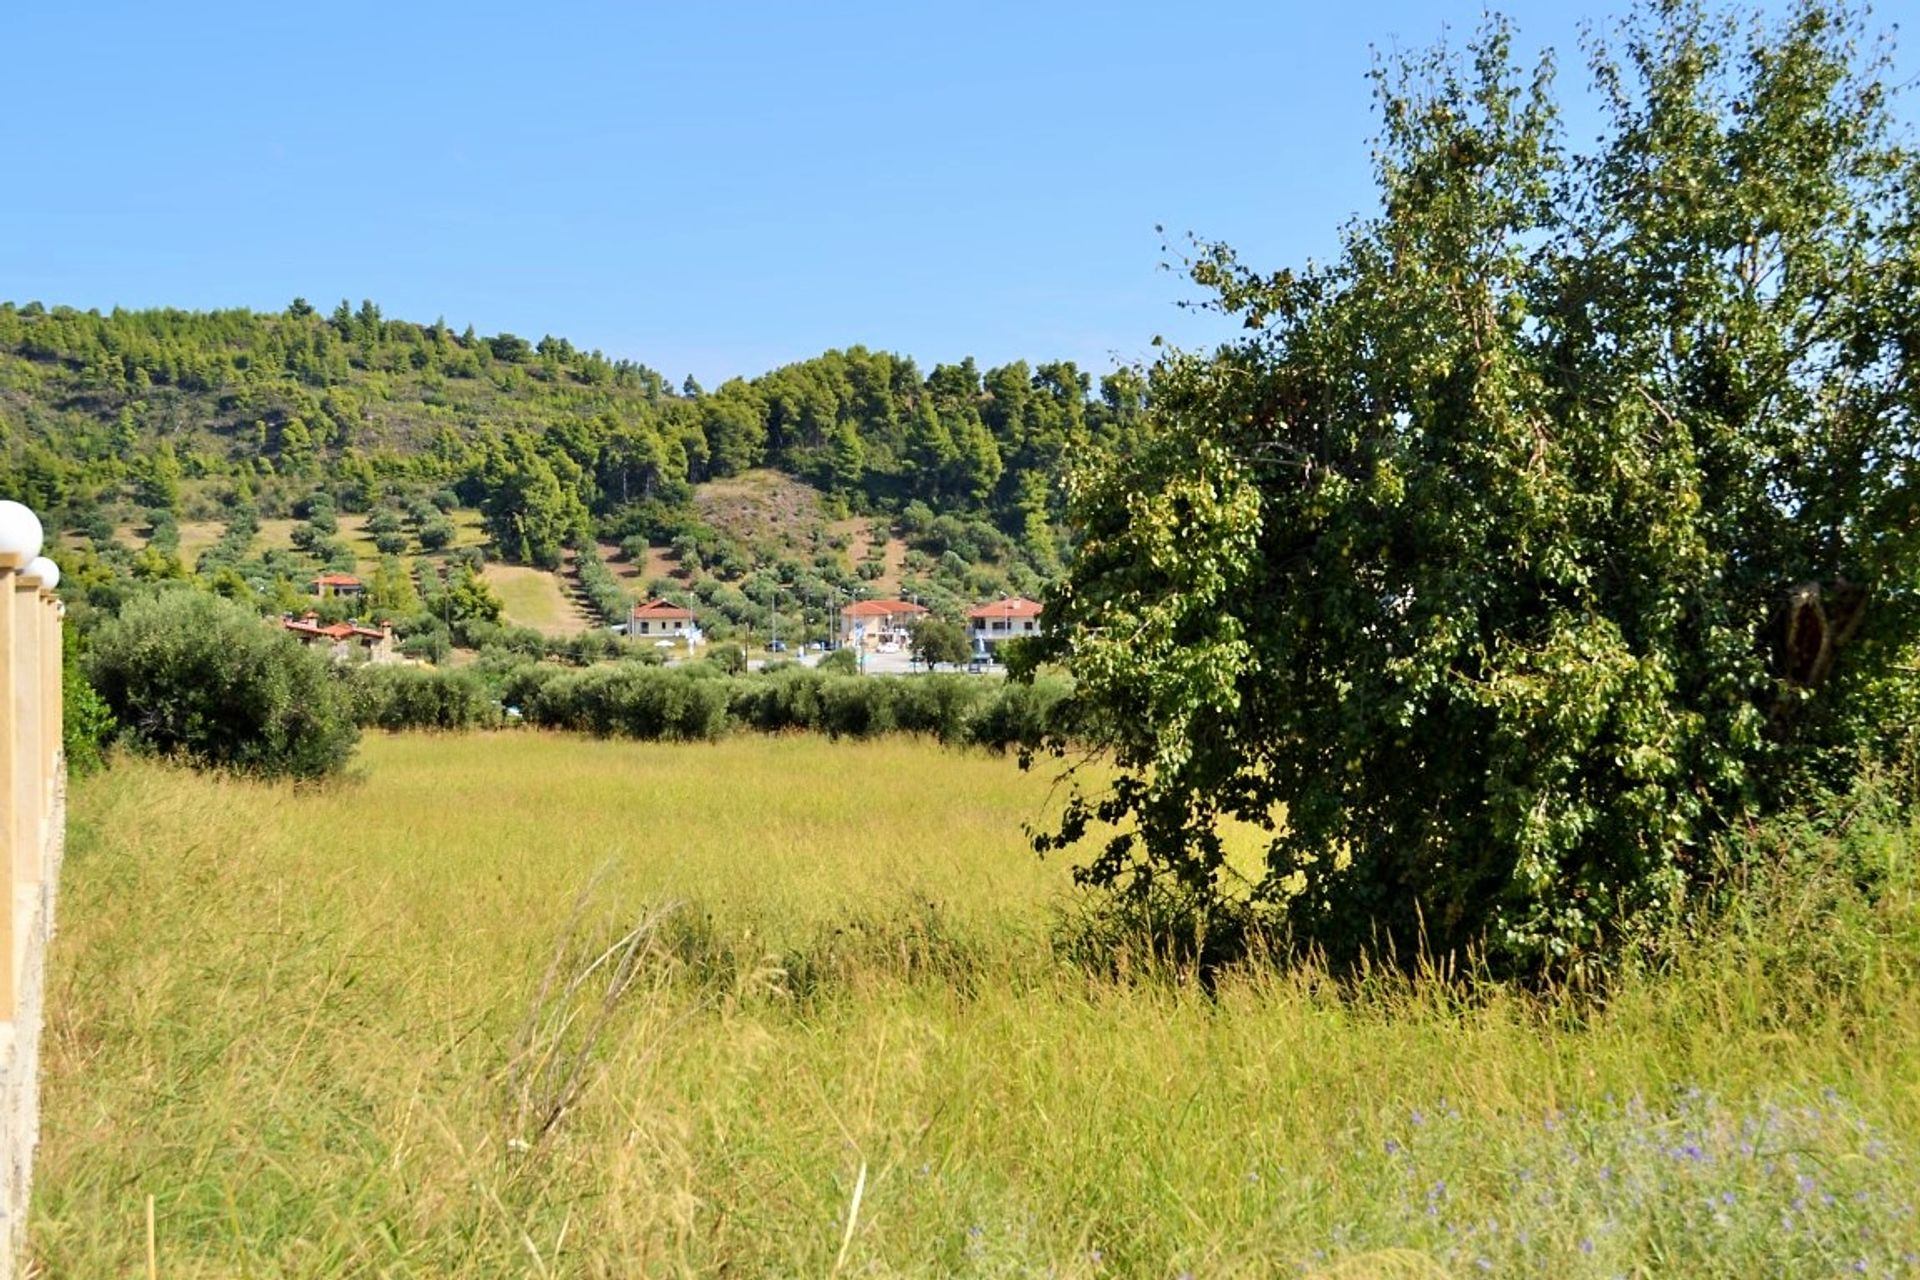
531 510
1564 518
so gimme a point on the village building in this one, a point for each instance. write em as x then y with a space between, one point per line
339 586
991 625
344 641
662 620
877 624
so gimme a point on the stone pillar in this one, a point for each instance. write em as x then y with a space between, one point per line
53 708
29 790
11 767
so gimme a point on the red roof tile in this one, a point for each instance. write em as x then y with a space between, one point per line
1011 607
661 609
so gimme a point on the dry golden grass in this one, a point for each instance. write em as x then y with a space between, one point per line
534 598
519 1004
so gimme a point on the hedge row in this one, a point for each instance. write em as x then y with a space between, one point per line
701 703
397 697
602 589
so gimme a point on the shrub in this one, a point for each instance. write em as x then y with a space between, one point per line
431 645
602 589
436 533
624 700
399 697
203 679
1022 715
857 708
783 700
940 705
86 721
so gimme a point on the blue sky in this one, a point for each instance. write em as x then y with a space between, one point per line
709 189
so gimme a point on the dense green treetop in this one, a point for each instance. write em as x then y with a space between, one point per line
95 407
1564 519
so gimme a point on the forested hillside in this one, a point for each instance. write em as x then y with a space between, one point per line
123 426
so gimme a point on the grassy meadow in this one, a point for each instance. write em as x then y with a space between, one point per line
525 1004
533 598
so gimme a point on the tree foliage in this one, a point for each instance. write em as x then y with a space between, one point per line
937 640
195 676
1567 517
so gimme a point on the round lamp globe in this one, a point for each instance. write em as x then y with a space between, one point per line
20 535
46 571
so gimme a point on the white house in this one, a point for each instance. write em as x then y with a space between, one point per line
872 623
991 625
659 620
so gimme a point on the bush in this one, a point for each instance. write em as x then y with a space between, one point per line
608 597
730 658
625 700
1022 715
856 708
398 697
779 701
431 645
436 533
938 705
86 721
203 679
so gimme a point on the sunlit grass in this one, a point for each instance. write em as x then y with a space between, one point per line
533 598
298 1019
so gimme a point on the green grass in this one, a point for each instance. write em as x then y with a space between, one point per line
533 598
318 1027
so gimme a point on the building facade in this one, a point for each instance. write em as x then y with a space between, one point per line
993 624
661 620
344 641
875 624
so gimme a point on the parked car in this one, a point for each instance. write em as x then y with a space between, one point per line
778 646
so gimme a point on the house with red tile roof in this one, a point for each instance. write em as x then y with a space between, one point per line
992 624
661 620
872 624
343 586
343 641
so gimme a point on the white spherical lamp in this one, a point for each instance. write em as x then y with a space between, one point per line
20 535
46 570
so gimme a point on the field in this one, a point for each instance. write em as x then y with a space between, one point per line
534 598
531 1005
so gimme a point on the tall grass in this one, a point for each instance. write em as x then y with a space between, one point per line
529 1005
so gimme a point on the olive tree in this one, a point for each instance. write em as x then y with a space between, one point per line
200 678
1563 519
937 640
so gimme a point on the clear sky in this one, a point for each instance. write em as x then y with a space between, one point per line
712 189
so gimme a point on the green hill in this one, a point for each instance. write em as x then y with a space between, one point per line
165 443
